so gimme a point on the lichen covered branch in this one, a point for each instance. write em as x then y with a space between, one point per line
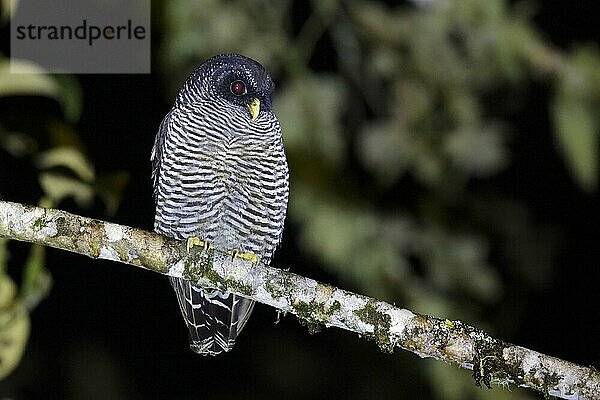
315 303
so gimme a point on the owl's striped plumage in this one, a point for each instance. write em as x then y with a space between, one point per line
222 176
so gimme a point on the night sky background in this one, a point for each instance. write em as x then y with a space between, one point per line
111 331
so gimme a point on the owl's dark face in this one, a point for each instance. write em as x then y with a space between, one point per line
237 79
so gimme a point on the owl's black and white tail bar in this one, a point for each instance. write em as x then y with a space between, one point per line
220 173
214 318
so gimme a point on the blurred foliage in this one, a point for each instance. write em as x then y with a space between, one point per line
391 117
14 321
64 171
576 117
31 80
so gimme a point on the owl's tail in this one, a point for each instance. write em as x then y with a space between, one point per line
214 318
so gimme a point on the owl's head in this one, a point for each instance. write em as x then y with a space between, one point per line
234 78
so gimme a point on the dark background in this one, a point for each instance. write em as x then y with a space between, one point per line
111 331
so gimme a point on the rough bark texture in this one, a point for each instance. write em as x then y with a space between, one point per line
315 303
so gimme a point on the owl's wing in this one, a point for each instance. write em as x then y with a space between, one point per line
157 151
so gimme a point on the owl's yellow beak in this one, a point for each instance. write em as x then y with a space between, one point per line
254 108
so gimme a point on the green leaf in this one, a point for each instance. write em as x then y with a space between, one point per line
36 279
58 187
71 96
14 328
13 340
67 157
576 133
8 291
18 144
3 258
33 80
7 9
576 115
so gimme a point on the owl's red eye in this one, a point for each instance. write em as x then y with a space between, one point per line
238 88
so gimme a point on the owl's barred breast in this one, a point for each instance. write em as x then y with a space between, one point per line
223 178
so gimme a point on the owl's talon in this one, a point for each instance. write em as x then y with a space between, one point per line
253 258
196 241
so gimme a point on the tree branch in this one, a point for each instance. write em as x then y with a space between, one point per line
315 303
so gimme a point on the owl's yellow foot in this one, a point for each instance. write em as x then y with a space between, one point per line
196 241
253 258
